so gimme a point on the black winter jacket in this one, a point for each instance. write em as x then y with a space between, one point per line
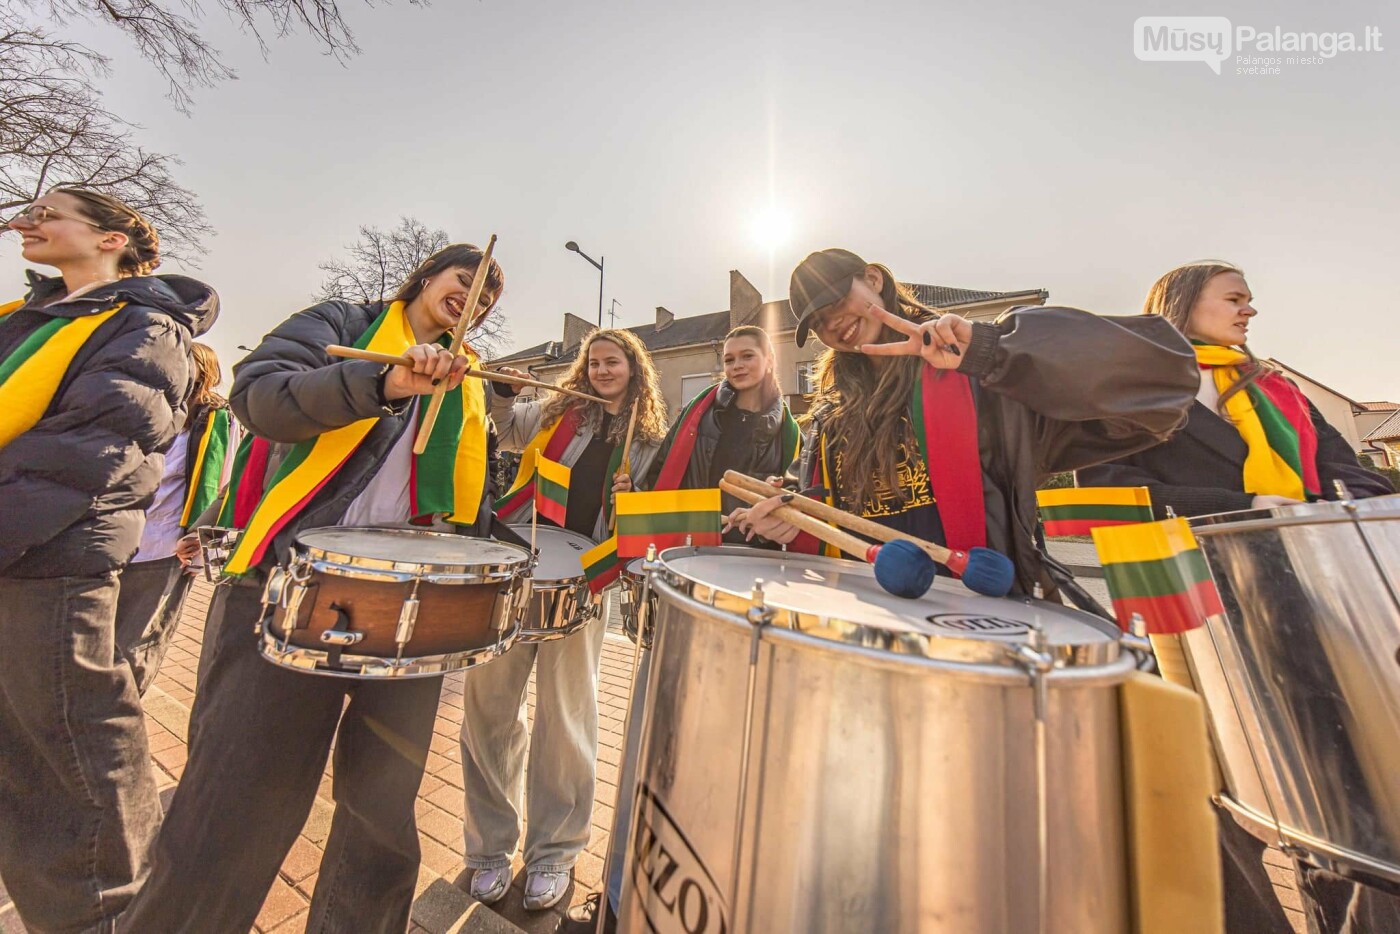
289 389
1058 389
74 488
1201 469
766 458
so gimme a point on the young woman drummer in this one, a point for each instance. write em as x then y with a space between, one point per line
941 427
94 372
1224 460
588 438
260 733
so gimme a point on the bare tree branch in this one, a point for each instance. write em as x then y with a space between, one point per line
375 265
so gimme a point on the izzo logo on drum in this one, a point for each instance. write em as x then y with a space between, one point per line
978 625
677 892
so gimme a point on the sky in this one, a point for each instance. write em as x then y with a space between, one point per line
999 147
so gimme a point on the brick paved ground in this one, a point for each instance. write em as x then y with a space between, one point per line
442 903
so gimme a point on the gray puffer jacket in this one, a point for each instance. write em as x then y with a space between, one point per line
75 487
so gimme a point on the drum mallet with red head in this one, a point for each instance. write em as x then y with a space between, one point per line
904 571
982 570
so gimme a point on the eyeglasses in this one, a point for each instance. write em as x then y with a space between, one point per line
37 214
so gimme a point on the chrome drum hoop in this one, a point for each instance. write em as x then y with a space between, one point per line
361 667
557 609
637 620
327 550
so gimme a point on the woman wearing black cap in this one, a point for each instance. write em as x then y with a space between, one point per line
943 427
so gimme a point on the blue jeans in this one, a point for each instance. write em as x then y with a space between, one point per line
78 802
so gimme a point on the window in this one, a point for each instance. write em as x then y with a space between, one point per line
807 377
694 384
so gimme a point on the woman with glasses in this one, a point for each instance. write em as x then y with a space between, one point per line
94 373
942 427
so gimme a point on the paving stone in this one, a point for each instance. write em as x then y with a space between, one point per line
303 859
282 902
441 906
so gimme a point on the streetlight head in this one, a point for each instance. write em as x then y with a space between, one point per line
571 246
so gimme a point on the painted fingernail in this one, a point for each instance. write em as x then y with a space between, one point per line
953 349
928 339
787 497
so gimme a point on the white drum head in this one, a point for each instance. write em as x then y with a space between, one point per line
409 547
561 552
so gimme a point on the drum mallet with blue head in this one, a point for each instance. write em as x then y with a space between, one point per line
906 558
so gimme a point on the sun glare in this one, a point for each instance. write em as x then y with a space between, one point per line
771 228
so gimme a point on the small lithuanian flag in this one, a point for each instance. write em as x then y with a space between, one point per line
1156 569
1077 510
551 490
601 565
666 518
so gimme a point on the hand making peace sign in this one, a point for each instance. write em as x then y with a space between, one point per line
940 342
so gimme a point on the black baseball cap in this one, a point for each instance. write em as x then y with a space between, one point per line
819 280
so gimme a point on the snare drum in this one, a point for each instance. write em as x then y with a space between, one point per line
561 603
636 618
392 603
818 755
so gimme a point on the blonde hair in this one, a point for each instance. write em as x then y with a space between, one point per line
207 376
142 253
643 391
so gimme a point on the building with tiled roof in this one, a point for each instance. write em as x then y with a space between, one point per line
1384 440
687 351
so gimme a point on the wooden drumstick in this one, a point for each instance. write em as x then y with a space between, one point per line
491 376
626 466
459 333
981 569
791 515
857 524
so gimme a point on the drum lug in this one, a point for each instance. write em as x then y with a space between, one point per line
1135 640
408 617
759 614
341 636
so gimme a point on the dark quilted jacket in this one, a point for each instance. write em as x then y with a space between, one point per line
75 487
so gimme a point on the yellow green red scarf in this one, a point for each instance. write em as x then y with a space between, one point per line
1273 418
448 477
31 374
208 465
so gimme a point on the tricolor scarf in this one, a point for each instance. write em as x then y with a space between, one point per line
31 374
944 419
550 443
1272 417
687 429
447 479
208 465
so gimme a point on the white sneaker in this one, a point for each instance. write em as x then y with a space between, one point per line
544 888
489 885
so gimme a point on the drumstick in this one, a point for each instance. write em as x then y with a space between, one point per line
355 353
627 445
982 570
483 269
900 568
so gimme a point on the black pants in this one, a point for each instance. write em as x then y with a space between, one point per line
148 611
1336 905
78 802
1251 905
259 738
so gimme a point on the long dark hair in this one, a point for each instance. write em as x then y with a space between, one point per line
866 406
454 256
1176 293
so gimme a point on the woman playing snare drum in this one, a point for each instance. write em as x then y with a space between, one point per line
260 733
588 438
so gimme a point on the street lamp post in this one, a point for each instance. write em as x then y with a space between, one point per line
572 247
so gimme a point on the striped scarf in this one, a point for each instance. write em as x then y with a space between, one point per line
206 472
687 429
447 479
550 443
1272 416
31 374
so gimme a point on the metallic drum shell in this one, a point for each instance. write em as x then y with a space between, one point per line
841 780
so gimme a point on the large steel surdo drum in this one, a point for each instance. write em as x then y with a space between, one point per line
392 603
560 602
821 756
1301 676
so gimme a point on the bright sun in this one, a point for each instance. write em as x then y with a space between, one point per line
771 228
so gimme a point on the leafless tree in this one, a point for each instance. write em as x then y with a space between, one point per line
54 128
375 265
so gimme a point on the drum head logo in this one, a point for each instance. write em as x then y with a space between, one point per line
973 625
676 891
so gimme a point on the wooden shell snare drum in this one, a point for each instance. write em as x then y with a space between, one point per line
392 603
